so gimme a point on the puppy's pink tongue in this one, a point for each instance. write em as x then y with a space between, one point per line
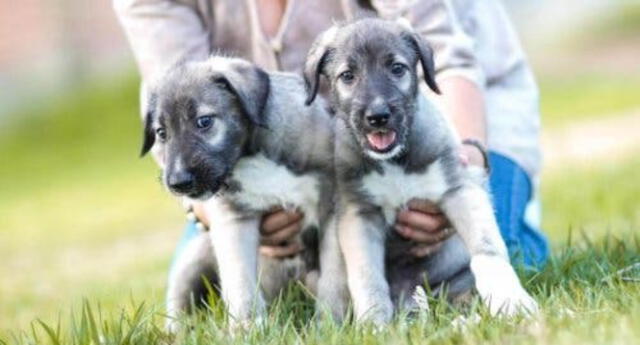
381 141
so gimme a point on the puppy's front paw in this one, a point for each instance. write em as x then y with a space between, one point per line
379 314
499 287
246 313
172 325
332 299
511 303
237 326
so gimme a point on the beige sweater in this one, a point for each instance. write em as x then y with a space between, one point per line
471 38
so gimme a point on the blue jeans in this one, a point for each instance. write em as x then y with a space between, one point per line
511 191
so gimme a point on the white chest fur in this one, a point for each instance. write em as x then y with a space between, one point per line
393 188
265 184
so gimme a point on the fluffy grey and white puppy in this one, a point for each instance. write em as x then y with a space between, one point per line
242 141
392 146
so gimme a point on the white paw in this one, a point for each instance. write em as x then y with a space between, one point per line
334 310
172 326
237 326
246 312
420 299
461 322
379 314
500 288
174 312
332 299
511 303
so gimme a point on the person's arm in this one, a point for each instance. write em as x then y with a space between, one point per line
463 101
162 33
277 228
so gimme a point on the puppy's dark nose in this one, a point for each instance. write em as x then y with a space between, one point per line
181 182
378 120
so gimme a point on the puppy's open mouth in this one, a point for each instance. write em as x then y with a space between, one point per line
382 141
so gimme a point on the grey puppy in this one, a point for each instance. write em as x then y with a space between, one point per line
392 146
242 141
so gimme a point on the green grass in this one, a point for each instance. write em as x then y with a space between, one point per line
583 299
596 200
567 99
83 217
73 167
80 211
588 80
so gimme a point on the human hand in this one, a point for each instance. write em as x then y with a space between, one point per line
277 229
423 223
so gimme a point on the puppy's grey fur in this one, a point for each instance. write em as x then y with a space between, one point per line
371 67
242 141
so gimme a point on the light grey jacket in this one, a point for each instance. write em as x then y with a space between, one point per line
471 38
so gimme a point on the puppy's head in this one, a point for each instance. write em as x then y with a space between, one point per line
371 69
199 118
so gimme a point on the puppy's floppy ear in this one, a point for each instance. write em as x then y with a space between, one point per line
250 84
315 63
425 54
148 135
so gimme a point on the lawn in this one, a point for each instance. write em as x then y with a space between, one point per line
81 213
569 98
84 219
584 301
590 71
597 201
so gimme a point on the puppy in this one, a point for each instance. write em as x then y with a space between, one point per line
392 146
241 141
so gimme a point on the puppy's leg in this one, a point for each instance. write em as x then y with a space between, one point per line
186 285
469 210
448 269
275 274
362 241
235 242
333 292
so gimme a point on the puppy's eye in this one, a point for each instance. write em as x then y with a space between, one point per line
347 77
161 133
398 69
204 122
222 83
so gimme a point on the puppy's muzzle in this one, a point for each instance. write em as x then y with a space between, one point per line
181 182
378 127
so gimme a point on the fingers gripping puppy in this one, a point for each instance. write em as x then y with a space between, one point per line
392 146
242 141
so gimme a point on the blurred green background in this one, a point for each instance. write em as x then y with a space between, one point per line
82 216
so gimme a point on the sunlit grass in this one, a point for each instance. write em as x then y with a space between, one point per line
596 200
81 213
583 298
582 88
72 169
566 100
